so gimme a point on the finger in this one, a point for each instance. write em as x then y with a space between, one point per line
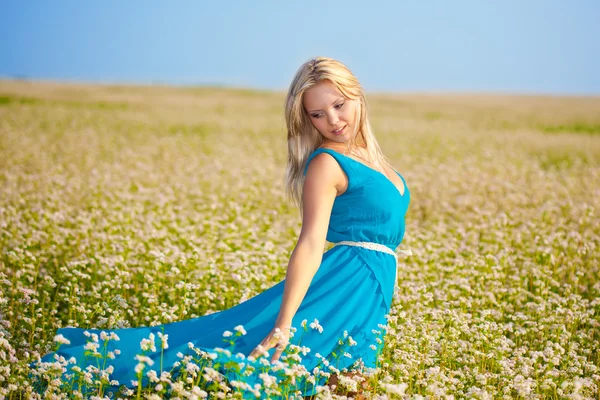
278 350
264 346
276 355
257 351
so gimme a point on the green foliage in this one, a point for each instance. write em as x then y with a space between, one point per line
128 206
575 127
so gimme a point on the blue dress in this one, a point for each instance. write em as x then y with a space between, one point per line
348 297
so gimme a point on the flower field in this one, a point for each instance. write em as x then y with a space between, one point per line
123 206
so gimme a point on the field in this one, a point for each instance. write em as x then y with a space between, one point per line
125 206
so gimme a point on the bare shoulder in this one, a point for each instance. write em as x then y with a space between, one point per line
325 171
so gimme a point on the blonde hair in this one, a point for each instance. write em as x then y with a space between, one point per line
304 138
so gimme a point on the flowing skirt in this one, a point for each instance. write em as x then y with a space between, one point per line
339 325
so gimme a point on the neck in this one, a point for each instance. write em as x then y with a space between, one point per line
342 146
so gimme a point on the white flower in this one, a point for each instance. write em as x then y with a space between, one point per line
148 344
144 359
240 329
199 392
227 333
224 351
268 380
394 389
210 374
91 346
163 340
61 339
192 368
264 361
138 368
315 325
152 375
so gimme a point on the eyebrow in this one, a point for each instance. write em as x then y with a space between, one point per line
341 97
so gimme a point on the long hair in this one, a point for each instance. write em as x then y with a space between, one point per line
304 138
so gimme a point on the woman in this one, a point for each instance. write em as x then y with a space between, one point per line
335 302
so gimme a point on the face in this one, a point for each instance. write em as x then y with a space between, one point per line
329 111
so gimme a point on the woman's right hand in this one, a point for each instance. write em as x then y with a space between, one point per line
279 337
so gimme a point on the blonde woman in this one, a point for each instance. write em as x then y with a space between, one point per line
331 307
348 194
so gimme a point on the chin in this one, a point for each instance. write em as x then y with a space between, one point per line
338 139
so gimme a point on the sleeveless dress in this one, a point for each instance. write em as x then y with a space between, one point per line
341 319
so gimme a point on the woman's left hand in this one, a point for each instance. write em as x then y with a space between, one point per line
279 336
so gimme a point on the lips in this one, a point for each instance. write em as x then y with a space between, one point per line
339 131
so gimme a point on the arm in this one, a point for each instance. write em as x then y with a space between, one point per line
323 177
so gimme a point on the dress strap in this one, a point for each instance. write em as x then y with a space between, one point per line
310 157
403 180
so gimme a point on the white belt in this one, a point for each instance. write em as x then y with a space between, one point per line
374 246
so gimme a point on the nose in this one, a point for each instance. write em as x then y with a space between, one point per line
333 118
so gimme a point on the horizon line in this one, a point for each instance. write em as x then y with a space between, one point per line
217 85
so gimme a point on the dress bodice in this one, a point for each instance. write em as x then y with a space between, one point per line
371 209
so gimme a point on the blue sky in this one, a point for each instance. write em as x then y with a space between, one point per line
526 46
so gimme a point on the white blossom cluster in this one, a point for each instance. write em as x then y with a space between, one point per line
127 207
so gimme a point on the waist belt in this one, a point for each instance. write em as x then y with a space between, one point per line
374 246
